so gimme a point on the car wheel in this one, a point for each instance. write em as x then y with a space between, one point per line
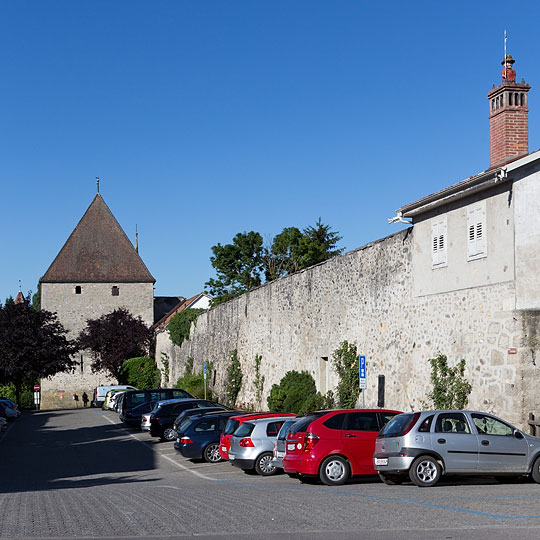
263 464
425 471
392 479
334 471
169 434
535 473
211 453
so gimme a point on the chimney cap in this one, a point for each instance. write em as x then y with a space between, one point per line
508 60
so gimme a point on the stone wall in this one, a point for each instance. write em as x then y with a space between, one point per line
73 310
367 297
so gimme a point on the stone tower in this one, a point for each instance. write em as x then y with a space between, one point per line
97 271
508 117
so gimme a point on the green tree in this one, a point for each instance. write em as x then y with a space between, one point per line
32 345
36 299
296 392
194 382
113 338
180 325
450 388
140 372
286 253
238 266
320 244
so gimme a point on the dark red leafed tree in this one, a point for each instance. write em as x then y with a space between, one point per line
32 345
114 338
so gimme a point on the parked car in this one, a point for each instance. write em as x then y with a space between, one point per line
281 442
133 417
198 437
423 446
159 422
334 445
184 416
133 398
115 400
232 426
3 423
252 445
109 399
100 392
11 410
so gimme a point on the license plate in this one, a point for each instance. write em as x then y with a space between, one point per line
381 461
280 454
224 449
291 446
231 457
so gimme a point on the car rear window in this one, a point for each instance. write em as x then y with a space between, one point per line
231 426
282 435
399 425
335 422
185 425
302 425
245 430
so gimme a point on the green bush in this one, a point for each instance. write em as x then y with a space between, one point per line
234 378
180 325
295 393
27 394
140 372
347 366
450 388
194 382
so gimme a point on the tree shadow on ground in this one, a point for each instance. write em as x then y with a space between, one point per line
47 450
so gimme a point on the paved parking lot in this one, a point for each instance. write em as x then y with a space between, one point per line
80 473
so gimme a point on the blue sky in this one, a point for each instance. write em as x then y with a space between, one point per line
205 119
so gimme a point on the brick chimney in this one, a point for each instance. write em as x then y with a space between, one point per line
508 116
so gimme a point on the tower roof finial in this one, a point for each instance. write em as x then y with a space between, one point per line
97 183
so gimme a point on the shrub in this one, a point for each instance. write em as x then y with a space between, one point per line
347 368
140 372
234 378
450 388
27 394
194 382
180 325
259 380
295 393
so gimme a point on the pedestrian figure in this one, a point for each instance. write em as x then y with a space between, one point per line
76 399
85 399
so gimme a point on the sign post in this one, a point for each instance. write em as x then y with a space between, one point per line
204 371
362 375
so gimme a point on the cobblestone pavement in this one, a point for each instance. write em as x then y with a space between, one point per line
80 473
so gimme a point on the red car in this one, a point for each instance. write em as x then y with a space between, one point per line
334 445
234 422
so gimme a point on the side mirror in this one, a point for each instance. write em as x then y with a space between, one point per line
518 434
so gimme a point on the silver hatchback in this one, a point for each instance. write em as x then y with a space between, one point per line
425 445
252 444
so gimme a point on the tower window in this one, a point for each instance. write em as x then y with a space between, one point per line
439 250
78 289
115 291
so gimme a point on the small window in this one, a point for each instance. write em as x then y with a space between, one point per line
439 243
78 289
272 428
425 426
115 291
476 232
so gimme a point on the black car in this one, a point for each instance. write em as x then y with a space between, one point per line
133 398
198 437
133 416
161 419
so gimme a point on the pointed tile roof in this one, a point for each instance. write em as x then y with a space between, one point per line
98 250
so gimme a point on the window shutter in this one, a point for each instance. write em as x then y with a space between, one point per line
476 232
438 243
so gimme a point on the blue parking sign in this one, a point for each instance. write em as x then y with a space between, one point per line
362 370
